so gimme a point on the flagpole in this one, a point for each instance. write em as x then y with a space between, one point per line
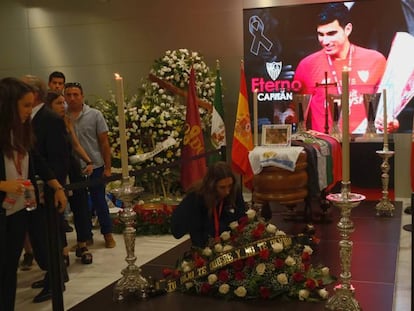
243 136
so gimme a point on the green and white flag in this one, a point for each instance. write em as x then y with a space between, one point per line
218 130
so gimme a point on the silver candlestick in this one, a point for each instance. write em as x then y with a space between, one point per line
384 207
132 282
344 299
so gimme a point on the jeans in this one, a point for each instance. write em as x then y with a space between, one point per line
98 201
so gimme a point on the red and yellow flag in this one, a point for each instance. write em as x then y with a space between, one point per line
242 137
192 170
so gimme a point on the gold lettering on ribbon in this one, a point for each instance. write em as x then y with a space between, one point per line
171 286
261 246
223 260
237 253
250 250
202 270
188 276
192 138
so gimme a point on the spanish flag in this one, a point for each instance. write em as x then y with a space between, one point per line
242 137
192 170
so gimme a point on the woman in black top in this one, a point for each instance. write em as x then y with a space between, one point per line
208 209
17 163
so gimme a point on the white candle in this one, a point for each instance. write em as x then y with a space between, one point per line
385 120
255 122
345 125
119 83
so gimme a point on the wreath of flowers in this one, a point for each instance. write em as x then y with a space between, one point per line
277 272
154 114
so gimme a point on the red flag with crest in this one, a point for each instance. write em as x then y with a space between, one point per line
192 170
242 137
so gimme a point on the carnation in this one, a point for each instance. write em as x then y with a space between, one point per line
282 278
251 213
233 225
271 228
207 252
323 293
303 294
325 271
224 288
212 278
225 235
308 249
277 247
260 268
240 291
218 248
227 248
290 261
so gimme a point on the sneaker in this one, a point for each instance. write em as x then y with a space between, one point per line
27 262
75 246
109 240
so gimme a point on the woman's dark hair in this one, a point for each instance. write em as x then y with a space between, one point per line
207 188
50 97
334 11
11 91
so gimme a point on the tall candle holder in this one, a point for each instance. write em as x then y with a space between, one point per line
344 299
384 207
132 282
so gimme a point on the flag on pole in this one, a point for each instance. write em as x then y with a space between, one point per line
242 137
218 129
193 144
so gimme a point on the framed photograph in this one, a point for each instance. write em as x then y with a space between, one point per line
276 135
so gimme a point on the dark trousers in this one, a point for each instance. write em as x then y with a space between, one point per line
15 227
80 208
48 237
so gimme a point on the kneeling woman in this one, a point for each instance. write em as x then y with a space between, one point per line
209 207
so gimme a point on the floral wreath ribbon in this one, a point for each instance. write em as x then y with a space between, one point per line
222 260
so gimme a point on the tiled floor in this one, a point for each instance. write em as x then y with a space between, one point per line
108 263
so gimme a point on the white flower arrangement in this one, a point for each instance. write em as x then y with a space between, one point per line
154 114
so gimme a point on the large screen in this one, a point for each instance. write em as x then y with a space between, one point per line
288 51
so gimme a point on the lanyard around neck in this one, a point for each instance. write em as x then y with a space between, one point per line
333 70
217 215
